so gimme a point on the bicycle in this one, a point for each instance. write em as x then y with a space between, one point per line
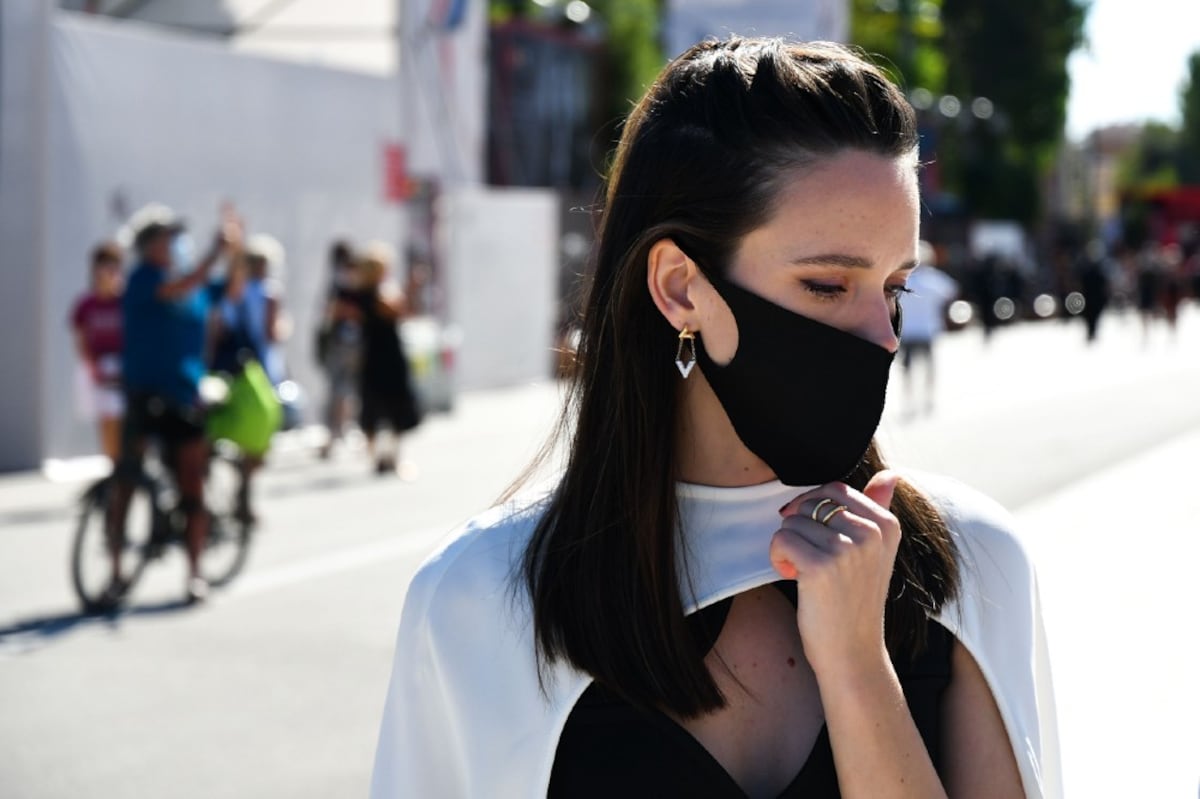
155 523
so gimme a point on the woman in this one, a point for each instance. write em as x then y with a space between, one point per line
96 325
339 343
698 607
242 326
385 393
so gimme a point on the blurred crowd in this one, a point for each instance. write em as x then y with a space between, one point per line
235 289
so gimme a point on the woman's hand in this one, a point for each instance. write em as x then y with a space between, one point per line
842 570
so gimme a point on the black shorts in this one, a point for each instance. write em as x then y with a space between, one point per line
153 416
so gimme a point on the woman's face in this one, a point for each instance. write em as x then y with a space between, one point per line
106 278
838 249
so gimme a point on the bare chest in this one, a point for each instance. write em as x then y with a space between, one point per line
773 714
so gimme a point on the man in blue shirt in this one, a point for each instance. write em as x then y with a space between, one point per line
166 318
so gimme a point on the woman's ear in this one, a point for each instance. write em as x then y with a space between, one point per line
670 275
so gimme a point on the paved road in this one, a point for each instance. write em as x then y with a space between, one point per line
274 688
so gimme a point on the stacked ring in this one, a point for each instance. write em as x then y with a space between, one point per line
825 519
817 509
832 513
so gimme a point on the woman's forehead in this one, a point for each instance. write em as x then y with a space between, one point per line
855 204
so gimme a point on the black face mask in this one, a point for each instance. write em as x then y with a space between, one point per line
803 396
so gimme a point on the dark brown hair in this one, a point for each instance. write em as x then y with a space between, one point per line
701 160
106 252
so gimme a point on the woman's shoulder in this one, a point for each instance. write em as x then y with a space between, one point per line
980 525
477 561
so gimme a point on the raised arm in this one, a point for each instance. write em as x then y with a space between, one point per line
227 241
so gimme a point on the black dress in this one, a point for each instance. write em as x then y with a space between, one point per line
610 749
386 394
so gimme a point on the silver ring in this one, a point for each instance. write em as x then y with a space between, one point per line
825 519
817 509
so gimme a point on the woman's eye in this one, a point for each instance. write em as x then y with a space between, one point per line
823 290
896 291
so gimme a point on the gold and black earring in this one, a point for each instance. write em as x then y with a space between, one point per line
685 355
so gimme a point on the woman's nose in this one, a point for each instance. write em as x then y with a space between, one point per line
879 327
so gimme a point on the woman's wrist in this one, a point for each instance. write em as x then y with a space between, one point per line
867 675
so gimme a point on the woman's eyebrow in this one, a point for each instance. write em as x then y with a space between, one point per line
847 261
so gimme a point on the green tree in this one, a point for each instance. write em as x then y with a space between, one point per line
1189 134
1152 161
903 37
1014 53
634 49
629 30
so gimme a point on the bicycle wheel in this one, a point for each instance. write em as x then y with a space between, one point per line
228 543
91 552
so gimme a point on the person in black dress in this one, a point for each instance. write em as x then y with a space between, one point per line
385 390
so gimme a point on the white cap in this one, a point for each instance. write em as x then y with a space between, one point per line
270 250
145 221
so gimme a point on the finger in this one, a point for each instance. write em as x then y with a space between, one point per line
818 503
823 537
882 487
792 554
804 502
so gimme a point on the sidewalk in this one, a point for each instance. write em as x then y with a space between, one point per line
1118 554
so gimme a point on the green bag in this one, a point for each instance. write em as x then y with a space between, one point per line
252 413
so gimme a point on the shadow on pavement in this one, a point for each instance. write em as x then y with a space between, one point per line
37 633
43 515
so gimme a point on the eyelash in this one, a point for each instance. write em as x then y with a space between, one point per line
824 291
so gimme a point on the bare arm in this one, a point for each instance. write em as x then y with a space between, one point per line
876 746
186 284
227 241
977 756
842 570
842 567
392 304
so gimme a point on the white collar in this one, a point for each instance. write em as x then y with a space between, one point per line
726 537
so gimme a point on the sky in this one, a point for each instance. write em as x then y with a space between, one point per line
1133 64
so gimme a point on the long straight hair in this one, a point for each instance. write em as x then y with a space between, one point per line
701 160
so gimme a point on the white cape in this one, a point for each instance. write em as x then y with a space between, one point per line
465 714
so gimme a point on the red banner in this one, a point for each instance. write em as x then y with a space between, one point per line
397 186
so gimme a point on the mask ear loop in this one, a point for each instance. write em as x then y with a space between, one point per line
685 353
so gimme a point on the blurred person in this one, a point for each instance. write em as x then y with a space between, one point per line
265 260
986 277
243 325
656 622
96 326
420 289
1149 288
385 389
1190 272
1171 289
1094 286
1189 269
165 316
339 343
929 291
